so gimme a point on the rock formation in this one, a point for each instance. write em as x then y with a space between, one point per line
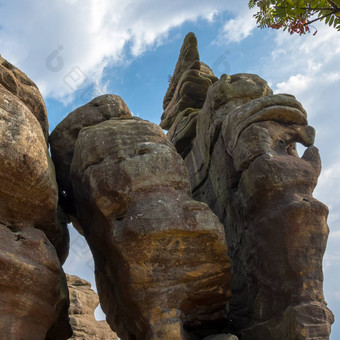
240 150
64 136
146 204
33 243
221 337
161 262
189 84
83 302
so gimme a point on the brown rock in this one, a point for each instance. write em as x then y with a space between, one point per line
83 302
63 138
35 292
221 337
285 223
189 83
242 161
30 286
188 54
28 188
17 82
161 264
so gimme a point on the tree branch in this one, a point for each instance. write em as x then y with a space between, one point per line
324 16
333 4
312 9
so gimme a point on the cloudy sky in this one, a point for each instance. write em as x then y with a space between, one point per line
75 50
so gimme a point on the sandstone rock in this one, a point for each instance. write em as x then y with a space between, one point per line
28 187
221 337
188 54
30 285
64 136
35 291
161 262
83 302
189 83
28 190
285 223
240 150
17 82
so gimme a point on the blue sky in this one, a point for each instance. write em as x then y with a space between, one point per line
75 50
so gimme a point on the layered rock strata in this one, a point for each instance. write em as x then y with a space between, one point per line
34 243
240 150
161 263
83 302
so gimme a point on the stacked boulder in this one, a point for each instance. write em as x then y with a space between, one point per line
161 263
158 211
240 151
33 243
83 302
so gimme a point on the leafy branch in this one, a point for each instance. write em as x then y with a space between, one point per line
296 16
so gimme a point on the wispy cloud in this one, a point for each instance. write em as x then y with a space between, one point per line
235 30
89 35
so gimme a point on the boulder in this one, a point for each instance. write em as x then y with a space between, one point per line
189 83
240 151
34 243
221 337
21 86
161 263
28 189
83 302
64 136
31 287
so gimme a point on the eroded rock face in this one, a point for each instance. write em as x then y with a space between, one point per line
189 84
161 262
30 287
35 242
83 302
241 155
17 82
28 193
64 136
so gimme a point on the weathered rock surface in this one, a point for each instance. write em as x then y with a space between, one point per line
17 82
28 190
35 291
64 136
161 258
241 156
30 287
189 84
83 302
221 337
161 262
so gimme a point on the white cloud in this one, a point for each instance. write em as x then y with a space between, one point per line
308 67
335 234
91 34
239 28
318 89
